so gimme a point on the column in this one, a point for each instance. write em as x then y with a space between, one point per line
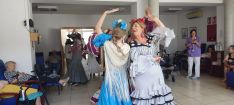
154 5
220 24
141 6
229 22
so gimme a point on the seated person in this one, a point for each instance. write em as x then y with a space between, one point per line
9 88
12 76
229 61
53 61
208 53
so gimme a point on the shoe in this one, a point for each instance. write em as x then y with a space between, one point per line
189 77
195 78
75 84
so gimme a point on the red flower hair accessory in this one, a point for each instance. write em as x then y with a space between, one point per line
141 20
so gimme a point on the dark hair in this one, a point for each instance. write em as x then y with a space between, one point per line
231 46
108 31
68 41
193 30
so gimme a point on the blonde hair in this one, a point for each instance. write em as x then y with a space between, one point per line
142 25
9 62
117 34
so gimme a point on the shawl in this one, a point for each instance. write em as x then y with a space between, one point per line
118 59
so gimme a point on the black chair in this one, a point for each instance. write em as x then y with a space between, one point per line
43 76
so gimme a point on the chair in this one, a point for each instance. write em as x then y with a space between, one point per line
9 101
40 58
56 66
42 75
217 66
2 69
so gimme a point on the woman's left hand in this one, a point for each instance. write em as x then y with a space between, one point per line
149 15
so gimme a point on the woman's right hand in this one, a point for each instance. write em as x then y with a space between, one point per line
111 11
157 58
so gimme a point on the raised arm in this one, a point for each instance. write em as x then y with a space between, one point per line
151 17
98 27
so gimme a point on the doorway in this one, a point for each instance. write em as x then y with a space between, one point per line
85 33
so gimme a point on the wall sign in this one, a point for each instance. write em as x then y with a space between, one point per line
211 29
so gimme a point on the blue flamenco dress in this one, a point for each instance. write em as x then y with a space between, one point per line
114 89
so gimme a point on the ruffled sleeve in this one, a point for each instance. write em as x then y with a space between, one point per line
91 47
140 63
163 33
101 39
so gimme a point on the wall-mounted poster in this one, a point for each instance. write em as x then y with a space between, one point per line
211 29
211 33
184 32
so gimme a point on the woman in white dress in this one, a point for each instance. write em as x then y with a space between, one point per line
148 80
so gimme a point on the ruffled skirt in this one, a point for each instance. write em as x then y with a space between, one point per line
106 98
150 88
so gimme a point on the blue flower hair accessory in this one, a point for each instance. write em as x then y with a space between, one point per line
120 23
101 39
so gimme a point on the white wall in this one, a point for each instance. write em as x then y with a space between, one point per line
171 22
14 38
49 26
200 23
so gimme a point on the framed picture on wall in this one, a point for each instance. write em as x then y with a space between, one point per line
209 20
184 32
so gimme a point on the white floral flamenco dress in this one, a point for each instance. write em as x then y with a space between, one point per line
148 80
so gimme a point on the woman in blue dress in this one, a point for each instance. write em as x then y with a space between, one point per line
114 90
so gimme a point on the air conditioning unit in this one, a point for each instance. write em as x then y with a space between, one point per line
47 8
194 14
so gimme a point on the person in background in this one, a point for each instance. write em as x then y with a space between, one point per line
13 76
77 73
208 53
229 61
68 54
193 45
53 62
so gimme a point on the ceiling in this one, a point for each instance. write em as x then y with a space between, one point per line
80 8
87 9
98 6
176 9
95 2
